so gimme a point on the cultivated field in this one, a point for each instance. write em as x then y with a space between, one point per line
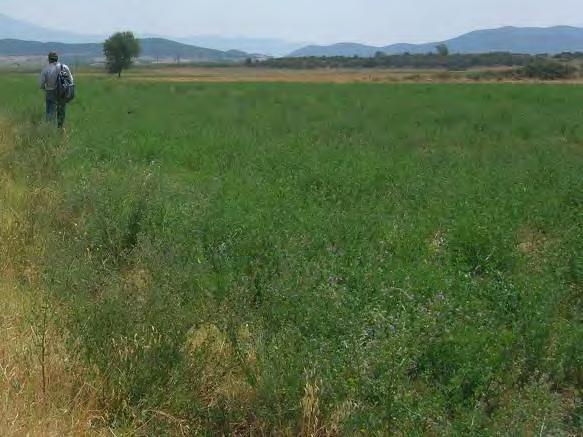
292 258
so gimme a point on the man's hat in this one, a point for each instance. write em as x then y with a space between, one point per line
53 57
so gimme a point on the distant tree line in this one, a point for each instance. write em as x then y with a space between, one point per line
548 69
569 56
542 66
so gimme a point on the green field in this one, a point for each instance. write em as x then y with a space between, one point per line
306 258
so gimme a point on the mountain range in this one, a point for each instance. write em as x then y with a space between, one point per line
16 29
526 40
152 49
265 46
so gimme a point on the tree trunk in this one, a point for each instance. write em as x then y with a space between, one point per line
119 74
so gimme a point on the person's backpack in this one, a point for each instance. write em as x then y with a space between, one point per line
65 86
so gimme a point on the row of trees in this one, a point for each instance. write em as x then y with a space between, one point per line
441 60
519 66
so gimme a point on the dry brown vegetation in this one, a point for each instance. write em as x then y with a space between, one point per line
290 76
43 385
340 76
193 74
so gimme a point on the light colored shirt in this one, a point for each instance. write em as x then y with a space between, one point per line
49 75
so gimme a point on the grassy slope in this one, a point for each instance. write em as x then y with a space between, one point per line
315 257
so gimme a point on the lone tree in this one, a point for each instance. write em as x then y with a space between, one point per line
442 49
120 50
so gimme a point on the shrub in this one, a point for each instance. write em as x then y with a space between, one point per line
547 70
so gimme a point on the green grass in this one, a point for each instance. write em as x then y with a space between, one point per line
294 258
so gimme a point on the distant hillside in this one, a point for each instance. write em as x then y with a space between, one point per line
152 48
527 40
266 46
16 29
341 49
164 48
16 47
11 28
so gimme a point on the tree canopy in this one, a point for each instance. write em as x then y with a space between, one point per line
120 50
442 49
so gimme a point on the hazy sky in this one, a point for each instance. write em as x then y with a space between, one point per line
323 21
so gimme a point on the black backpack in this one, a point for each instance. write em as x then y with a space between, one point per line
65 86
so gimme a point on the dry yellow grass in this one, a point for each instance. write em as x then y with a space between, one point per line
227 75
221 374
322 75
194 74
42 385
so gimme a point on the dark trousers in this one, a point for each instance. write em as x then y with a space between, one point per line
55 109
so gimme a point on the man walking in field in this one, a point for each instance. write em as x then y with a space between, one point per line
56 102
